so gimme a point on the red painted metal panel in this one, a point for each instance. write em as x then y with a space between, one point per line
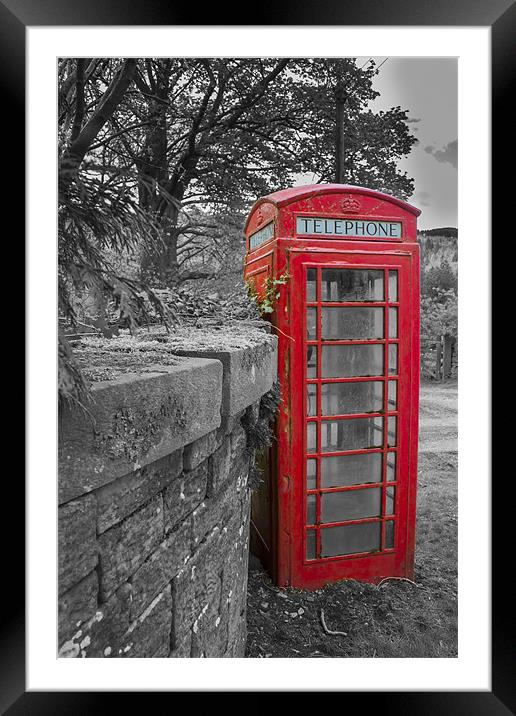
288 252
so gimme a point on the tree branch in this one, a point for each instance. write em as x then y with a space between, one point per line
255 94
104 111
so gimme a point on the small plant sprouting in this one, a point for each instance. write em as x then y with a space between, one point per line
271 293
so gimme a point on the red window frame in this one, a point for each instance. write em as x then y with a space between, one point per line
388 561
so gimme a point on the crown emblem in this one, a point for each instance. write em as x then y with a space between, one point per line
350 205
262 213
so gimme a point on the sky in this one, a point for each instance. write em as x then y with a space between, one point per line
427 87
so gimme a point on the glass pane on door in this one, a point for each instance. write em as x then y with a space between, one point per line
352 361
311 324
311 506
311 292
389 502
348 539
352 434
311 399
391 466
393 395
393 322
351 505
342 285
393 359
343 470
311 437
311 362
355 397
389 534
311 474
352 323
393 286
310 544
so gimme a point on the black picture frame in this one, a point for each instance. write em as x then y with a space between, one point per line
500 15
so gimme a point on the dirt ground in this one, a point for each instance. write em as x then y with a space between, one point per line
396 618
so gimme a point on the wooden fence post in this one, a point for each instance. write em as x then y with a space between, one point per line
438 356
447 356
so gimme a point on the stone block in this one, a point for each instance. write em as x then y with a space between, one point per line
207 625
248 372
230 533
234 591
229 423
77 544
137 419
124 547
163 564
238 441
245 503
76 606
162 653
183 495
183 611
240 458
199 450
229 462
210 638
237 640
196 589
226 498
210 514
234 575
101 636
220 464
237 601
182 651
122 497
149 634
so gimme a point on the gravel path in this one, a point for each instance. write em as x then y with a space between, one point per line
438 417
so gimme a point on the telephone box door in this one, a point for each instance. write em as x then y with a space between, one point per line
353 375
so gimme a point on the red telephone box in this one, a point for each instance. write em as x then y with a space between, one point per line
338 498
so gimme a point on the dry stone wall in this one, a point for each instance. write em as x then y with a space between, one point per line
154 509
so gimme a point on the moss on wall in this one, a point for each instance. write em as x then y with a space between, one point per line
134 432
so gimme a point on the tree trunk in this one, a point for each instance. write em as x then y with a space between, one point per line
152 167
168 260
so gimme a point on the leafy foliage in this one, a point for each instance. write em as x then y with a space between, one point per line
93 219
266 299
438 279
439 314
71 385
260 435
439 286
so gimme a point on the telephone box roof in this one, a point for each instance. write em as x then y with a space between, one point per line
305 191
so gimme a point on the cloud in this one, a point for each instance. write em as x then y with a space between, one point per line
446 154
422 197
